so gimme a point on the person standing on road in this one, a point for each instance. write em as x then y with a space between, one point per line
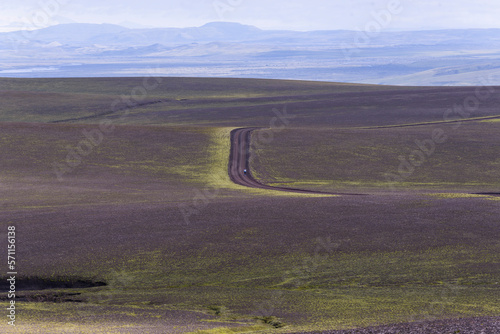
245 171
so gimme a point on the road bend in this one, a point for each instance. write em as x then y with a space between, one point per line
239 162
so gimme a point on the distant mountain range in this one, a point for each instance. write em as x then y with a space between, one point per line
445 57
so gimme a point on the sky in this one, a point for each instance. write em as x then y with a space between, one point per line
303 15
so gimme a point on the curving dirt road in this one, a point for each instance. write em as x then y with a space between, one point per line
239 161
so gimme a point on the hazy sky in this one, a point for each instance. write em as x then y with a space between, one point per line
266 14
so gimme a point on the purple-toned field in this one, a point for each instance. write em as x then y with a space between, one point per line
139 229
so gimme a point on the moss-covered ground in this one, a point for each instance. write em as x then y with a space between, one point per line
151 212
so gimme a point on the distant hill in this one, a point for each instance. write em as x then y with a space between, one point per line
442 57
71 33
83 33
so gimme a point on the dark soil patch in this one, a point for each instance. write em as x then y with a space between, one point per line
38 283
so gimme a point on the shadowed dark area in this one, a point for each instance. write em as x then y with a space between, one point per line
38 283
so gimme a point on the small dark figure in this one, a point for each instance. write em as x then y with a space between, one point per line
245 171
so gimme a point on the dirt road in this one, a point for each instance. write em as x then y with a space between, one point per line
239 162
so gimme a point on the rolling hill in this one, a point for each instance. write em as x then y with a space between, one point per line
126 218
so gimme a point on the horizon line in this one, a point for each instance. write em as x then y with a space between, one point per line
7 29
